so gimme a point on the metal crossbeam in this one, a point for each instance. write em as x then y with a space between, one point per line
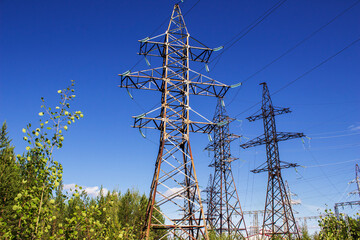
270 168
279 136
153 79
344 204
148 47
276 111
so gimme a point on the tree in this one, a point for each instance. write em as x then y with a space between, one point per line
305 233
344 227
40 174
9 183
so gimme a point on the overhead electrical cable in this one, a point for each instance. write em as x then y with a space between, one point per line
191 8
317 66
295 46
326 133
250 27
322 171
336 136
315 188
247 29
304 74
330 164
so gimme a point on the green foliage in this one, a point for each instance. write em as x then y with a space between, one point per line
40 173
345 227
214 236
32 202
9 183
305 234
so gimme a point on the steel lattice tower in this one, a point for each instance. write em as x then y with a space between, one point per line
356 180
278 215
224 213
174 193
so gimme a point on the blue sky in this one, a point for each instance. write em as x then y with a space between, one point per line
45 44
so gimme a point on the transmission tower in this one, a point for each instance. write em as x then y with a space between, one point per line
357 191
356 180
278 215
210 191
254 229
174 186
291 195
224 213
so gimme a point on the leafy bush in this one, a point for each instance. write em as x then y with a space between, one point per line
344 227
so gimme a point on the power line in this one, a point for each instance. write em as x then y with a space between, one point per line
330 164
237 37
305 73
191 8
326 133
294 47
322 171
317 66
251 26
336 136
315 188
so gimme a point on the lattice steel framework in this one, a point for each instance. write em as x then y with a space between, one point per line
224 213
356 180
278 218
210 191
174 193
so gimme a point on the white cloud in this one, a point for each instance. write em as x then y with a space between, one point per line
172 191
355 127
176 192
314 208
69 186
295 201
91 191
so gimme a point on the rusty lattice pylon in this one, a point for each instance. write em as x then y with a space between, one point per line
174 193
224 213
278 215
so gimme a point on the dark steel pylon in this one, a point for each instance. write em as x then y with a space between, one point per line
224 213
278 215
174 194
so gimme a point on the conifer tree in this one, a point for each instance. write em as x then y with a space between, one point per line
9 183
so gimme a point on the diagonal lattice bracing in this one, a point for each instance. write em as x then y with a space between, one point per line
175 208
224 213
278 215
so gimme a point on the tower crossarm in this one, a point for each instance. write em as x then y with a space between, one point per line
283 136
343 204
283 165
310 217
157 123
152 79
149 47
266 113
280 136
228 138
